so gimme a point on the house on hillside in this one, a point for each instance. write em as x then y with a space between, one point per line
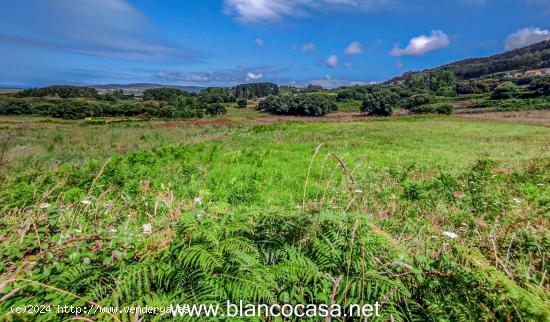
534 72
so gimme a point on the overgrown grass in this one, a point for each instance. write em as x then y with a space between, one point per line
286 212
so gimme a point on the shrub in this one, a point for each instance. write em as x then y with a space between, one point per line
241 103
301 104
446 109
540 87
418 99
380 103
252 90
504 91
63 91
440 108
44 108
216 109
162 94
15 107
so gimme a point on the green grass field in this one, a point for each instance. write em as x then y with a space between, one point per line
298 212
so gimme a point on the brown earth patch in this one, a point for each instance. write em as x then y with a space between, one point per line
534 117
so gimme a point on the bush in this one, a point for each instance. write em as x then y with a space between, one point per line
241 103
380 103
354 93
540 87
216 109
418 99
15 107
162 94
62 91
252 90
301 104
504 91
44 108
440 108
446 109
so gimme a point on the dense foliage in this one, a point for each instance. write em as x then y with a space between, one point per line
162 94
217 95
299 104
505 91
439 82
256 90
241 103
62 91
381 103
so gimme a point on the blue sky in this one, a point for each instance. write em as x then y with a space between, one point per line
226 42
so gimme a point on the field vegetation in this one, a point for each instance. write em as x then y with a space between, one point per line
439 218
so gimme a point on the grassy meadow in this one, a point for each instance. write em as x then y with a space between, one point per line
437 217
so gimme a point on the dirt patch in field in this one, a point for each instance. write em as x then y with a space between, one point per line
534 117
198 122
340 116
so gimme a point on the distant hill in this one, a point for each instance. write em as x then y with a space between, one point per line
138 88
531 57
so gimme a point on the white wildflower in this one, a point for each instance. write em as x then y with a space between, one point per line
517 200
44 205
86 202
450 234
358 191
147 229
201 214
198 201
112 230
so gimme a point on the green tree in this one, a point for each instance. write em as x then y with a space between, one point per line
241 103
380 103
504 91
440 82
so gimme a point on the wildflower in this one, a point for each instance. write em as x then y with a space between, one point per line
44 205
450 234
358 191
86 202
147 229
201 214
517 200
198 201
111 229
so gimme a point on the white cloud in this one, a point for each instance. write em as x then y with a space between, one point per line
332 60
308 47
423 44
329 82
249 11
252 76
260 42
525 37
354 48
105 28
222 77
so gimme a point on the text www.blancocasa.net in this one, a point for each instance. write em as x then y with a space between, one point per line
214 310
